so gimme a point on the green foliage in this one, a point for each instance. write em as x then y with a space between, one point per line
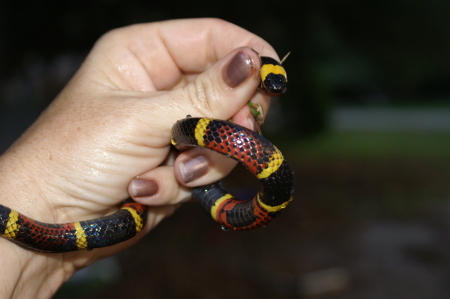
411 145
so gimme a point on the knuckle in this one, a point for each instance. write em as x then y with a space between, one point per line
204 96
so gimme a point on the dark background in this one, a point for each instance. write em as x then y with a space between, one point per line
365 124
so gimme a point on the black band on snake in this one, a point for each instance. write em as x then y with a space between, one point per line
252 150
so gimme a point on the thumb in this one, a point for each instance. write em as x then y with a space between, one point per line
219 92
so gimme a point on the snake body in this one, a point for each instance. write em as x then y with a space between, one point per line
252 150
96 233
257 154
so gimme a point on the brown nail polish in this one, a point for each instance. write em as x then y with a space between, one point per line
143 188
193 168
237 70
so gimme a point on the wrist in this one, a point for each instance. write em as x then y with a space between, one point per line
26 273
29 274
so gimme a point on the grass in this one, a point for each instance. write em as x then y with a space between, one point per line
410 145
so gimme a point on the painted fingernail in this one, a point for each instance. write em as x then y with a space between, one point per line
143 188
193 168
237 70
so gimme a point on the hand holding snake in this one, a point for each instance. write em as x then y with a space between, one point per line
112 124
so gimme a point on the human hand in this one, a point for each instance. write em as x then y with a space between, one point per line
112 123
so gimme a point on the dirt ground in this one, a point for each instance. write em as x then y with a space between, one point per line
356 229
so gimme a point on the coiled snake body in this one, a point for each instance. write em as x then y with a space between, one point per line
252 150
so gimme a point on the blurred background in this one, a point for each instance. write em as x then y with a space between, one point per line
365 124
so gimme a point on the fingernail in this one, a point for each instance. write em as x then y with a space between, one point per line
143 188
237 70
193 168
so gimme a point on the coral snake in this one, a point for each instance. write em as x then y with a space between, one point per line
252 150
